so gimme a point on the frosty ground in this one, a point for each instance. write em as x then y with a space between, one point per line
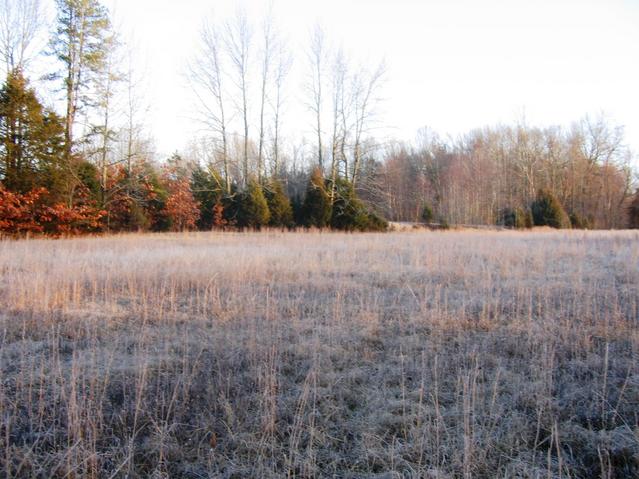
409 354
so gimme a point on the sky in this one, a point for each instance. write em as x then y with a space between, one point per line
451 65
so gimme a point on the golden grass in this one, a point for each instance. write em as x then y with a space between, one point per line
427 354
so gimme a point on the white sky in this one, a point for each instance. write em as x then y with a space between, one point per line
452 65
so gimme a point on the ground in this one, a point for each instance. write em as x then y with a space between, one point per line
409 354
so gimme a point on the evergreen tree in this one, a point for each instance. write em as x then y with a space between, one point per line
208 190
79 44
31 139
278 204
350 214
253 209
514 218
316 210
547 211
427 214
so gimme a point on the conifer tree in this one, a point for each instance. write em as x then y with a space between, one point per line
208 190
278 204
547 211
253 209
79 44
316 210
31 139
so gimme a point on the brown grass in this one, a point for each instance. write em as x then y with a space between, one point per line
442 354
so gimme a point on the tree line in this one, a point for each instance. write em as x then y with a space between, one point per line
86 164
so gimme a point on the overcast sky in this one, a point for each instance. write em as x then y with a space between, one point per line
452 65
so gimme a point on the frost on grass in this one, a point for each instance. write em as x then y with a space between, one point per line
321 355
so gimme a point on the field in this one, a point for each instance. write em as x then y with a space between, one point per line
427 354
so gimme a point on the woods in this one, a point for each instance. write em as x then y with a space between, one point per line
88 152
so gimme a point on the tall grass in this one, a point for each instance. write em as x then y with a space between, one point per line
457 354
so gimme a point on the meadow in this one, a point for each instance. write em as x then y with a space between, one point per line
452 354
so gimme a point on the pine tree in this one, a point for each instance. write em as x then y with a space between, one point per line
31 139
350 214
79 44
547 211
252 208
208 190
279 205
316 210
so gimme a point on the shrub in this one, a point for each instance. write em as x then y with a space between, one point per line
547 211
278 204
580 222
427 214
252 208
514 218
208 190
316 210
350 214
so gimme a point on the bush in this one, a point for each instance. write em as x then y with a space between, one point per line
252 208
208 191
316 210
278 204
580 222
427 214
515 218
350 214
547 211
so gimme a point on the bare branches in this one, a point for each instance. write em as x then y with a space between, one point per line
20 23
238 39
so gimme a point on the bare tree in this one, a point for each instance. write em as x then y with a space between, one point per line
20 23
316 56
106 89
340 128
365 90
207 75
267 54
282 69
238 44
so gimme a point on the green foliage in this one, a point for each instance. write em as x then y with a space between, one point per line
252 210
580 222
31 140
298 210
208 190
155 198
515 218
427 213
316 210
278 204
529 222
88 174
350 214
547 211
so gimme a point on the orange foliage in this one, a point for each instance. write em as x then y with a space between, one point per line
218 216
29 213
181 207
18 213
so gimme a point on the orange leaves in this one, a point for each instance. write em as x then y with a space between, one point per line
28 213
182 209
17 211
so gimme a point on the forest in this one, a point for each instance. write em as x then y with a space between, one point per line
84 162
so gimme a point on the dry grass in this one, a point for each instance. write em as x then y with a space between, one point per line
457 354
